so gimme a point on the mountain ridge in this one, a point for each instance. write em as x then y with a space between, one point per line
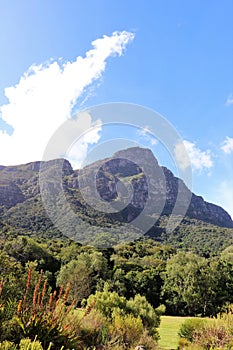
198 209
121 181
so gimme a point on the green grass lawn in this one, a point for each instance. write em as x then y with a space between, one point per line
168 330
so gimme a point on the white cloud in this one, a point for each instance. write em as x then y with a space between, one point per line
147 134
227 146
45 96
78 150
229 100
186 154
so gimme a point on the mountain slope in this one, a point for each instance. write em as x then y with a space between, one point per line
156 183
108 195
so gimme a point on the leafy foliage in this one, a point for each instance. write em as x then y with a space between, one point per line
140 276
194 285
83 274
211 334
44 316
189 327
115 307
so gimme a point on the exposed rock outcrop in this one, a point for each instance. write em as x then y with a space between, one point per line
134 176
131 179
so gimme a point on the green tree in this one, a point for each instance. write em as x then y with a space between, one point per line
24 249
83 274
138 269
189 285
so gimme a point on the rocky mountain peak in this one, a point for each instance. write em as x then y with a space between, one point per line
136 154
139 168
131 179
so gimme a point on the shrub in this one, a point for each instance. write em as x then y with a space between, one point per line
147 341
94 328
161 309
107 302
127 328
139 306
45 317
183 344
129 318
189 327
8 328
213 336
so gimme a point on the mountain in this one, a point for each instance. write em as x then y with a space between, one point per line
127 193
138 168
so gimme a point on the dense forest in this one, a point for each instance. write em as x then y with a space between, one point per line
113 296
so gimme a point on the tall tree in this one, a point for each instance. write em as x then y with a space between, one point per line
189 285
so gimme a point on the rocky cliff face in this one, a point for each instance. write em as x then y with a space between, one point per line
19 183
10 194
133 175
131 181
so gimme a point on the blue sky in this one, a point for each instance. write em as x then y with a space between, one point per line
179 63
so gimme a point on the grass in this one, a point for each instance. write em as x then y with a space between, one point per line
168 330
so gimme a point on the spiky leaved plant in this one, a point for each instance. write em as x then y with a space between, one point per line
45 316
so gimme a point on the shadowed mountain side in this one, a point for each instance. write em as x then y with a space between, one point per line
134 177
129 187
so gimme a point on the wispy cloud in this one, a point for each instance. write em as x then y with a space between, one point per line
227 146
45 96
187 153
229 100
78 150
146 134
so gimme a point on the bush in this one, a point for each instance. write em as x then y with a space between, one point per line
44 316
147 341
127 328
213 336
189 327
139 306
129 318
8 327
107 302
94 328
